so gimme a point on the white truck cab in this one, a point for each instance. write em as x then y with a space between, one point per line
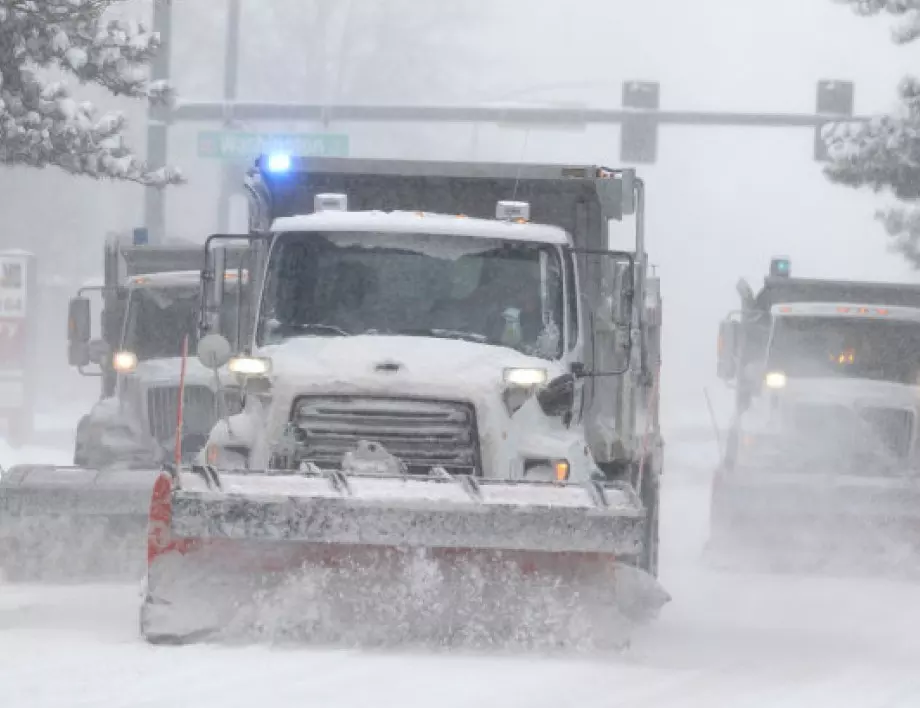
458 318
826 371
436 331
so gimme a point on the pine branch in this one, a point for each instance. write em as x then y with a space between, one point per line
906 30
40 123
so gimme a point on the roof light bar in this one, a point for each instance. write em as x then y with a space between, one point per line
330 202
512 211
278 162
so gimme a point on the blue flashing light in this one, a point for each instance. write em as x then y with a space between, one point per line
278 162
141 236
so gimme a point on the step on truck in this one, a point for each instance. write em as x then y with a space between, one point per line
91 519
450 426
820 466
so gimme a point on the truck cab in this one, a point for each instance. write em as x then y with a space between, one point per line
146 321
413 316
827 376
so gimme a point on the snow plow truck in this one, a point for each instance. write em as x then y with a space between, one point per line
450 427
820 470
89 521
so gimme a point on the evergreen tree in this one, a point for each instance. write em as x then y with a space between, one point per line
41 124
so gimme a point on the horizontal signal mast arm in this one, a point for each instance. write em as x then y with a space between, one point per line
251 110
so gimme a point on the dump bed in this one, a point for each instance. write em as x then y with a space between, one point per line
578 198
790 290
123 259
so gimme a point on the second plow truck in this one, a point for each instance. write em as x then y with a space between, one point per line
820 470
89 521
449 431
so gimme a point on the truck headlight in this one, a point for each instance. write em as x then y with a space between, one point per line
124 362
775 380
250 366
525 377
520 385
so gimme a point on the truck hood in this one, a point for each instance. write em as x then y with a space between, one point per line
168 371
382 363
851 392
833 427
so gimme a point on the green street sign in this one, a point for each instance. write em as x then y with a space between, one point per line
232 145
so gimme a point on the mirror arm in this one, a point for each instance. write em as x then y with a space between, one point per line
599 374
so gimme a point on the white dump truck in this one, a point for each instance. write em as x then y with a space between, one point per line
439 356
821 465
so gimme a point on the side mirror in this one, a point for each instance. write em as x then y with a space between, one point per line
79 330
728 349
215 282
214 350
78 354
558 396
79 321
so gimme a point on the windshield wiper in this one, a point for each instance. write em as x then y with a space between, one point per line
446 334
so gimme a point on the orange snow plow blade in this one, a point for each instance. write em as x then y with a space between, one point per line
381 559
67 524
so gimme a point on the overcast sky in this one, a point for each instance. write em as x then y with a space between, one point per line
721 201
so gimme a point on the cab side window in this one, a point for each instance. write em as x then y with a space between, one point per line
572 305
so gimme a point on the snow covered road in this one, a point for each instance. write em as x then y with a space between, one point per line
727 640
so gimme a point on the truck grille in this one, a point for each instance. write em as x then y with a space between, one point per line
421 433
163 407
893 426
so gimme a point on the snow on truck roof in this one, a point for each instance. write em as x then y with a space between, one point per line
423 223
174 278
845 309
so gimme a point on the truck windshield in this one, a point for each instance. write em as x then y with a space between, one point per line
860 348
440 285
159 318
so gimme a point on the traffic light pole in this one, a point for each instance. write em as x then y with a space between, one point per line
639 118
158 120
229 185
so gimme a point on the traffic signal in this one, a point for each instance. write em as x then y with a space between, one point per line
639 131
835 99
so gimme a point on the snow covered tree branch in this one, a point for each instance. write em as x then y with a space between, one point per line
41 124
908 27
884 153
